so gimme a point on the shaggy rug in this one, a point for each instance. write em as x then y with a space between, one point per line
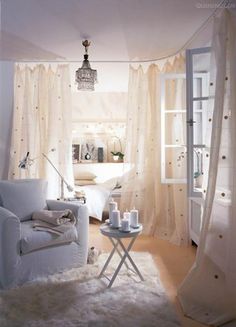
78 298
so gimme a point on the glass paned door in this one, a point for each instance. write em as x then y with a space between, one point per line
197 94
197 98
173 128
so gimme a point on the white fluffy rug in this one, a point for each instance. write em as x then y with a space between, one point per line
78 298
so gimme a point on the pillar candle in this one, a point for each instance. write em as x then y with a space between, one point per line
116 218
125 225
126 215
134 218
112 206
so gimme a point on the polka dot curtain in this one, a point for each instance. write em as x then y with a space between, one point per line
162 208
208 294
42 121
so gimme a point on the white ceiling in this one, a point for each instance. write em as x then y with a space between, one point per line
118 29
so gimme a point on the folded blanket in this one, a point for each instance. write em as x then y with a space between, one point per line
58 230
55 217
56 222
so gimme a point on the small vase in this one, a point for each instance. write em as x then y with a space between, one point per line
198 181
87 156
115 158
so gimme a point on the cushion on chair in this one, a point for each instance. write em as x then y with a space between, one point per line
32 240
23 196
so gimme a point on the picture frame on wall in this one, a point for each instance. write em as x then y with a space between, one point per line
76 153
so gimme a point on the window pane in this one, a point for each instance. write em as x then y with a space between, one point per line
201 64
197 167
176 162
175 94
175 128
200 121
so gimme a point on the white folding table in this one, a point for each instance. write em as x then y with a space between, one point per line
115 236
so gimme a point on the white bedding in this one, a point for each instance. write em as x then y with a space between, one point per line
97 197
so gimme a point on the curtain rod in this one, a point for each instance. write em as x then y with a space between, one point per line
221 5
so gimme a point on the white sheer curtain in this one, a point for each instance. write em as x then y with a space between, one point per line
42 121
208 294
162 208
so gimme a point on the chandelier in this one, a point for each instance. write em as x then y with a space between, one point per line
85 76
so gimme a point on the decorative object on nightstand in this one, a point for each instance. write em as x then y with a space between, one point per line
79 197
79 200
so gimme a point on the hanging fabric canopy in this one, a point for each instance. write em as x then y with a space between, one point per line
41 122
162 207
208 293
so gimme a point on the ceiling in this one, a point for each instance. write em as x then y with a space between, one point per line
118 29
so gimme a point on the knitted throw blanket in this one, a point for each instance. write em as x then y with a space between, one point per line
56 222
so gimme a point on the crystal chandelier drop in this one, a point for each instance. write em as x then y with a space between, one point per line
85 76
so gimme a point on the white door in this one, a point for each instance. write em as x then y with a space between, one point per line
197 96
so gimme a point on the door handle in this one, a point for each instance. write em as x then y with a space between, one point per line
190 122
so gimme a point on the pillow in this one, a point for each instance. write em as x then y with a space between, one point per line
85 175
23 196
82 182
111 183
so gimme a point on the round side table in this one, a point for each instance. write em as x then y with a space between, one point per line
115 235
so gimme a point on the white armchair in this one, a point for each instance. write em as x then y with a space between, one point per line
26 254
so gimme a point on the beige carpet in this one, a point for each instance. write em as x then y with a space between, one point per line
78 298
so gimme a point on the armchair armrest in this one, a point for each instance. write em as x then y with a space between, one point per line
9 247
81 213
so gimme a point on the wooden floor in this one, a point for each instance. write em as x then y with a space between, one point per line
173 262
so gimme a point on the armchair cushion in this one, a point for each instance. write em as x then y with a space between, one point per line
32 240
23 196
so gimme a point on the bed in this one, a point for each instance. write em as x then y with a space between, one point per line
98 196
100 182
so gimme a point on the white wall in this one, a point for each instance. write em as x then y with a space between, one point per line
6 110
109 100
99 106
